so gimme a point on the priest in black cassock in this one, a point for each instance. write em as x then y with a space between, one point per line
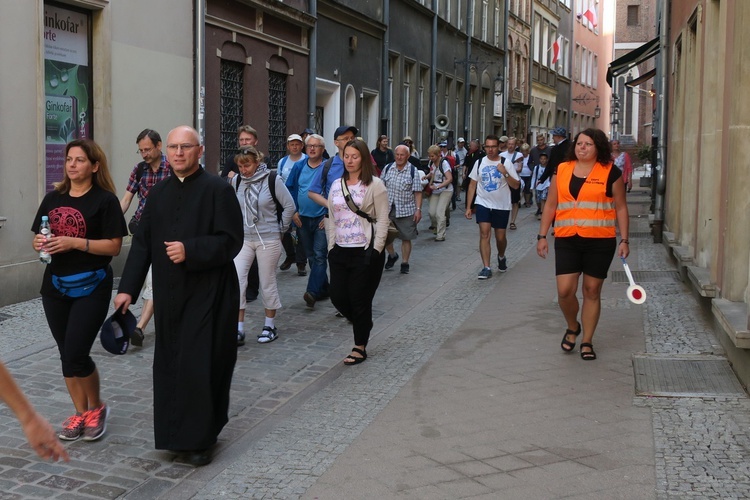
190 230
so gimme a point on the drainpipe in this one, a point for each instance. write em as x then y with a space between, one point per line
467 65
433 75
312 68
658 162
385 102
505 69
199 97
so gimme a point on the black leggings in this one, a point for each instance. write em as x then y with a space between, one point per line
354 281
75 324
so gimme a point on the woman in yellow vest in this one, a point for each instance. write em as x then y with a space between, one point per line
586 197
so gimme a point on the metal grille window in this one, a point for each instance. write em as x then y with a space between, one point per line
276 116
318 119
231 92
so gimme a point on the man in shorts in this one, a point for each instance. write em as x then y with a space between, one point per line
402 181
491 181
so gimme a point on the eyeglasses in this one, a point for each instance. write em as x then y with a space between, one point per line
315 146
184 147
144 151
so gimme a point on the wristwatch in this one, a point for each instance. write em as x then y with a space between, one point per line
506 174
541 236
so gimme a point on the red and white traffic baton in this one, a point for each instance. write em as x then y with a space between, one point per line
636 293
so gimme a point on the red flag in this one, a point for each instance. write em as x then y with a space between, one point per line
556 49
590 14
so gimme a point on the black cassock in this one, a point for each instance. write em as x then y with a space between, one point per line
195 304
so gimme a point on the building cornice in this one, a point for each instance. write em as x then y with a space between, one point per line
258 35
282 11
345 16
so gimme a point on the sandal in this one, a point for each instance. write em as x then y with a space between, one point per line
566 345
355 360
588 355
267 335
513 225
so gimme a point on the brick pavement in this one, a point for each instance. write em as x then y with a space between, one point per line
422 417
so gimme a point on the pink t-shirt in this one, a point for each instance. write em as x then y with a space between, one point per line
349 230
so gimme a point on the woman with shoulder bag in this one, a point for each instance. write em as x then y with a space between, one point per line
87 227
356 231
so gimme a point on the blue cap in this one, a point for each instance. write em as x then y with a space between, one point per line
116 332
560 131
343 129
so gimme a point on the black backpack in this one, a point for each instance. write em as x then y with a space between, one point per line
271 187
324 175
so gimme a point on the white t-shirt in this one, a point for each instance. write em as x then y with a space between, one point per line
492 189
515 157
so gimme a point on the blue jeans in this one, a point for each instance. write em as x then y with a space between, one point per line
316 248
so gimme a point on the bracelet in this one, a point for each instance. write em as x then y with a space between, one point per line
86 249
627 242
419 208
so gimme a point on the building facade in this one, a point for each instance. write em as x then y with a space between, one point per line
520 14
632 107
544 72
593 32
706 175
84 68
256 67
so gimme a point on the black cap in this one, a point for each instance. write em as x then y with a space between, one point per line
116 332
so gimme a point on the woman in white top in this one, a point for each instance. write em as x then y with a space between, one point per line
263 230
440 178
356 229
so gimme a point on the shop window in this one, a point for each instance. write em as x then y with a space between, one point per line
276 116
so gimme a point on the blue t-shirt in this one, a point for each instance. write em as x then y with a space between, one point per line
307 207
334 174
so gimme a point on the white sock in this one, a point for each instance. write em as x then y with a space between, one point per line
240 326
270 322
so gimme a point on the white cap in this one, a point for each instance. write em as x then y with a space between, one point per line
294 137
461 139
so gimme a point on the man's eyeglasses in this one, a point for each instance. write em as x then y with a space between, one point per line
184 147
145 151
315 146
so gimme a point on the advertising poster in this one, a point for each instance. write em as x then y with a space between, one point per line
67 85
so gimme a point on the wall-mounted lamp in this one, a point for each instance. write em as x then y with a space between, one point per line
597 111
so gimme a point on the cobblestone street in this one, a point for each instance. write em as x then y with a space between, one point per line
445 344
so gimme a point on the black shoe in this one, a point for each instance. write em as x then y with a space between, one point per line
301 271
137 337
287 263
197 458
309 300
390 261
251 296
404 268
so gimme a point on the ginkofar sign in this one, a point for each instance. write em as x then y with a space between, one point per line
67 84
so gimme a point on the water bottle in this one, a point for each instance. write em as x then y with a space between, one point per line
44 230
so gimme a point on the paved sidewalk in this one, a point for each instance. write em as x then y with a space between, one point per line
501 412
466 394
